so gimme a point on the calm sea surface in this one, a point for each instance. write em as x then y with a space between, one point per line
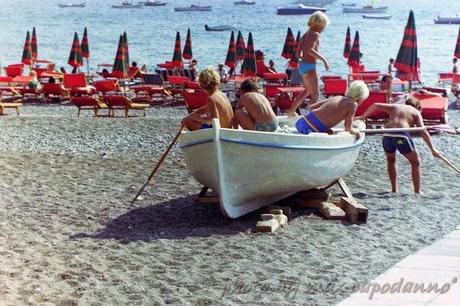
151 31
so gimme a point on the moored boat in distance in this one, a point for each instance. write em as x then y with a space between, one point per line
193 8
72 4
349 4
218 28
244 2
447 20
251 169
366 9
127 5
376 16
299 9
153 3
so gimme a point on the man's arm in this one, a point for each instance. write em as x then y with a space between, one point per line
425 135
350 116
384 107
312 51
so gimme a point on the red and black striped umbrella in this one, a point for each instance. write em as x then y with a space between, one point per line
346 49
294 59
188 54
125 44
289 45
457 47
75 57
121 65
249 64
85 44
230 60
33 44
27 51
406 61
177 56
353 58
240 47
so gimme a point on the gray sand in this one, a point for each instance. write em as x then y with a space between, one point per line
68 236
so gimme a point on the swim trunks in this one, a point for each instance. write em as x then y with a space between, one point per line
305 68
309 123
205 126
267 126
398 141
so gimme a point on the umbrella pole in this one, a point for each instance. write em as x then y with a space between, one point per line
87 66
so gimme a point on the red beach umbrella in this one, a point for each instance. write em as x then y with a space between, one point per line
177 56
230 60
293 62
27 58
406 61
353 59
34 45
289 45
75 57
188 54
346 49
249 64
85 44
457 47
240 47
121 65
125 44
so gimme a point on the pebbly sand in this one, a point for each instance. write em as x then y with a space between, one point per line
69 237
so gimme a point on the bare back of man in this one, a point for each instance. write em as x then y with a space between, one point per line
257 107
402 116
333 110
219 107
309 41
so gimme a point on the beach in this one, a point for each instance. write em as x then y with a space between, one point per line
68 235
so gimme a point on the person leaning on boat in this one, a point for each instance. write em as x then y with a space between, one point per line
326 114
254 111
218 105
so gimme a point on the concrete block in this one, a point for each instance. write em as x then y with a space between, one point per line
279 216
311 198
330 211
287 211
356 213
268 224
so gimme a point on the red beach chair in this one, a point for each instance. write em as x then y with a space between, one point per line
121 102
434 108
334 87
53 91
445 78
104 87
88 103
76 84
14 70
374 97
194 99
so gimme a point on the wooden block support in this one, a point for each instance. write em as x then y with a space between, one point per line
330 211
207 199
268 224
356 213
311 198
286 210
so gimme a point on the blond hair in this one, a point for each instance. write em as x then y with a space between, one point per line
357 91
319 19
209 79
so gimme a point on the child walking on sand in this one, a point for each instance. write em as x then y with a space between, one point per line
308 52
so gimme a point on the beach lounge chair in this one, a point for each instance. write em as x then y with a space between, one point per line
374 97
445 78
194 99
106 87
54 91
14 70
88 103
4 105
121 102
283 103
334 87
273 81
434 107
76 84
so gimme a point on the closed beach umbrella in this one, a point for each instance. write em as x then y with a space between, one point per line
188 54
85 44
293 62
289 45
346 49
177 56
120 65
249 64
240 47
125 44
353 58
457 47
34 45
75 57
230 60
27 51
406 61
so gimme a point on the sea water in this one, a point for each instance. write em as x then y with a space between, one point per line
151 31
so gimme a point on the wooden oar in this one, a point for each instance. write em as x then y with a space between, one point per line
449 163
162 158
387 130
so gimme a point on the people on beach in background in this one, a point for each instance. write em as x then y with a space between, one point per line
405 115
218 105
454 65
271 66
193 69
135 72
34 83
62 69
391 62
222 73
385 83
75 69
105 73
51 80
308 52
326 114
254 111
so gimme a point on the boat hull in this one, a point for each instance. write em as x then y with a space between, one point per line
193 9
374 16
135 6
365 10
252 169
441 20
299 11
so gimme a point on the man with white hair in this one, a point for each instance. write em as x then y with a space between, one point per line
328 113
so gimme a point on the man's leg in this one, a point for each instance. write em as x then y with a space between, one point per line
414 160
391 166
191 124
244 120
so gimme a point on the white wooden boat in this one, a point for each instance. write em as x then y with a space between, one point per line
447 20
367 9
127 5
153 3
193 8
377 16
72 4
250 169
299 9
244 2
218 28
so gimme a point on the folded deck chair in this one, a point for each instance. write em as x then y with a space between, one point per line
76 84
89 103
121 102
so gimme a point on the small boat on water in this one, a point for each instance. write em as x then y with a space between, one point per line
127 5
299 9
153 3
349 4
193 8
72 4
376 16
219 28
447 20
251 169
366 9
245 2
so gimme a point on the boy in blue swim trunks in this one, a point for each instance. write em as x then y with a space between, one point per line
328 113
308 52
402 116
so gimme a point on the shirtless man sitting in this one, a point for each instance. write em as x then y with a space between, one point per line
402 116
254 111
218 105
328 113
